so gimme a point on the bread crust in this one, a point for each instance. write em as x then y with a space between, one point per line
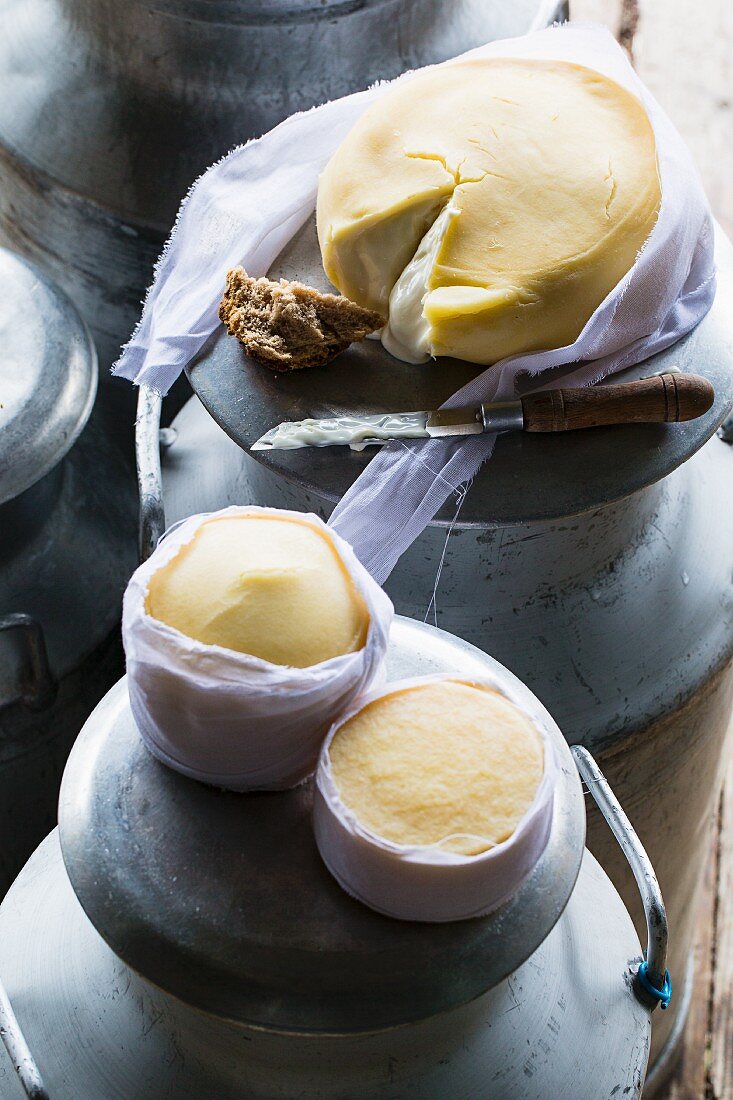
288 325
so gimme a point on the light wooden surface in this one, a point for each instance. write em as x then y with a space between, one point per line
705 1071
684 53
720 1074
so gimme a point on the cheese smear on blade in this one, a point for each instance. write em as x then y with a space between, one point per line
446 763
270 587
489 206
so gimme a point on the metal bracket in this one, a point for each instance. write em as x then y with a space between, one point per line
654 985
36 684
149 480
17 1048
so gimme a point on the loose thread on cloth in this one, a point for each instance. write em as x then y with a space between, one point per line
461 493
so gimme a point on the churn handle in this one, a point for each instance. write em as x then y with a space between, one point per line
652 983
150 484
17 1048
37 687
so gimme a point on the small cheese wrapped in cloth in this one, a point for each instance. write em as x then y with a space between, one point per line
434 797
241 648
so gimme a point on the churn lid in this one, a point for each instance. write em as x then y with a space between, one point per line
48 375
222 900
530 477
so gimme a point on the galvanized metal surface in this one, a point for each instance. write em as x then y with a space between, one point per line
224 902
67 549
529 478
68 552
48 376
55 567
67 515
565 1024
28 677
151 523
109 112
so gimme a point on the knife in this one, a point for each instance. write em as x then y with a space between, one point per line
663 398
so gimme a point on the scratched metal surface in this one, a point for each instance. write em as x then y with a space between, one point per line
66 548
223 900
565 1024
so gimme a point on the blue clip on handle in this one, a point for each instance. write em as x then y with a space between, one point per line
663 995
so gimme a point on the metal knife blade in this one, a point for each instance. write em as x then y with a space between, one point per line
354 431
367 430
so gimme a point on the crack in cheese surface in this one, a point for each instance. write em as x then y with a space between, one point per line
549 176
446 763
273 587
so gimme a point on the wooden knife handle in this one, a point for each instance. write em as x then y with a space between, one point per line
663 398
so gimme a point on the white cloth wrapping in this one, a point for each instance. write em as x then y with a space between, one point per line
425 882
228 718
246 208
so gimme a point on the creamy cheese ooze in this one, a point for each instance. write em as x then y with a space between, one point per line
273 587
489 206
444 763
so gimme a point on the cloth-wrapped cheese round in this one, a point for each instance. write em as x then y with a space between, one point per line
489 206
434 798
259 584
245 632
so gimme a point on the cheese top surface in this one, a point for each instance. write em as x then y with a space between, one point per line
445 763
272 587
540 180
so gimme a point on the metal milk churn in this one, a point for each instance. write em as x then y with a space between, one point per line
596 566
177 940
66 551
109 112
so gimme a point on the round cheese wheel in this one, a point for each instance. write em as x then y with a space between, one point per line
273 587
444 763
489 206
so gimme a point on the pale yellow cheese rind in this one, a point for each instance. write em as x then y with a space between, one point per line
272 587
444 763
551 171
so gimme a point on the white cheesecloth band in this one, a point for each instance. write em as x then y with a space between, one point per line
428 882
228 718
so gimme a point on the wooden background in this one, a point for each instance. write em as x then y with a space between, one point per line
684 52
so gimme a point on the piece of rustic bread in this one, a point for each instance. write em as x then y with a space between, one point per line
287 326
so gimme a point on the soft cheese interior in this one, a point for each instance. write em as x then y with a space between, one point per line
444 763
270 586
489 206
